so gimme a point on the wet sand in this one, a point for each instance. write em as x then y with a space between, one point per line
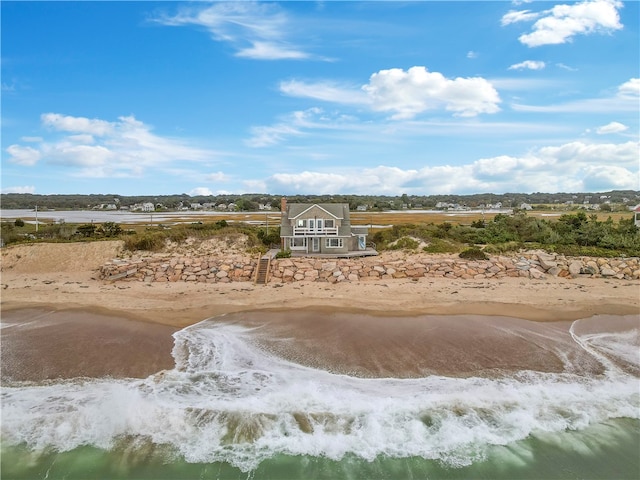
367 345
40 344
44 344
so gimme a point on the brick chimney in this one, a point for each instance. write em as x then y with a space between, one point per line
283 204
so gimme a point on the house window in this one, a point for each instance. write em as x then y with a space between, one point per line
328 224
301 223
298 242
333 243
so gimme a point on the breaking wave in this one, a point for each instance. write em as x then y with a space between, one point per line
229 400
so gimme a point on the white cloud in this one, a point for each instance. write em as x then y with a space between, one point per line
271 51
609 177
562 22
99 148
26 156
630 88
471 54
256 30
201 191
528 65
325 91
293 125
67 123
407 93
217 177
31 139
613 127
21 189
566 67
515 16
626 100
264 136
574 166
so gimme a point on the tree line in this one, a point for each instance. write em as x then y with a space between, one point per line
251 201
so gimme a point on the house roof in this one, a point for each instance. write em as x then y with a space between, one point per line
334 209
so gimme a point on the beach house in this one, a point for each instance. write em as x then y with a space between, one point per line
322 229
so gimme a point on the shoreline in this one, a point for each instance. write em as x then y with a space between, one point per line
63 280
41 344
180 305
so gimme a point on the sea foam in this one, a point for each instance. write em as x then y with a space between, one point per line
229 400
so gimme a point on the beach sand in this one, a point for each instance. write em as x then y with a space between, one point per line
73 324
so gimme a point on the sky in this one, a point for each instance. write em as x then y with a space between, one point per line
327 97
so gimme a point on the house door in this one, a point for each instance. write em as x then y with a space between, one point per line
315 244
319 225
362 242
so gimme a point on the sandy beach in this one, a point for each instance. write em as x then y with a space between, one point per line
78 325
62 276
106 373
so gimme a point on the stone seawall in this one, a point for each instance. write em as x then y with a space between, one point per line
241 268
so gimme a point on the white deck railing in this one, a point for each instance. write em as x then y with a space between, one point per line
317 232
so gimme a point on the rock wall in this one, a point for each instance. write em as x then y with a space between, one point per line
241 268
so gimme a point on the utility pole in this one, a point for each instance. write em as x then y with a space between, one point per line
36 218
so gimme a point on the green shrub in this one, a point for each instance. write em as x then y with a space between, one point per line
284 254
473 253
111 229
19 222
499 248
87 230
439 245
404 243
148 241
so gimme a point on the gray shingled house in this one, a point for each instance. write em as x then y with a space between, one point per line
322 229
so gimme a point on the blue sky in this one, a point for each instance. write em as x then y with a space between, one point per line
420 97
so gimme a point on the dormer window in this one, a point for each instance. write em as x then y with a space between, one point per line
328 223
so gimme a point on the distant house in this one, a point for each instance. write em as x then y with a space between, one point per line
148 207
636 216
321 228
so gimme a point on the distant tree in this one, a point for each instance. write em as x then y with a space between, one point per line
111 229
19 222
87 230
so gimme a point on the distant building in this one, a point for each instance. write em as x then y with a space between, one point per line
636 216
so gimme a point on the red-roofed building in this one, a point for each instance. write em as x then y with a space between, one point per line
636 216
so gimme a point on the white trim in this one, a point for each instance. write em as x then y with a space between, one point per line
302 240
315 205
327 242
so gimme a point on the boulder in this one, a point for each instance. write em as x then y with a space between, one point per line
607 272
547 262
575 268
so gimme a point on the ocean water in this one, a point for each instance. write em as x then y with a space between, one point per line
232 409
